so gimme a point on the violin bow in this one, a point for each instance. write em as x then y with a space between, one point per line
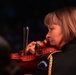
25 38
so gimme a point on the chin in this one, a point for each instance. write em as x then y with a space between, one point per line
53 44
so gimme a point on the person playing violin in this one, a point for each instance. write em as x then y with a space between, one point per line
61 26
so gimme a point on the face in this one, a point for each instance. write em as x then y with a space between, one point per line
54 35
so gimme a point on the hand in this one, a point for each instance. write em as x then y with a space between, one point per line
31 46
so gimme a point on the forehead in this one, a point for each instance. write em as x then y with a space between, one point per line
54 26
51 19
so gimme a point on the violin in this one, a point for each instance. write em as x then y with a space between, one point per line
41 50
28 63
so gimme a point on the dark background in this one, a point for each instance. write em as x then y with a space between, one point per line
17 14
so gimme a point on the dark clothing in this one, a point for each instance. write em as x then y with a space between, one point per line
11 69
64 63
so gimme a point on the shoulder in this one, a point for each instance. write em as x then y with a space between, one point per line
13 69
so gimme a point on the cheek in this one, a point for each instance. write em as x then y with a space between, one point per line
57 36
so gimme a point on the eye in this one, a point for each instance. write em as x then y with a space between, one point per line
51 28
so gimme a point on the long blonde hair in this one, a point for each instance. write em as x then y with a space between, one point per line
66 18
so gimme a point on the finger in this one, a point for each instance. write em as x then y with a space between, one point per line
31 44
40 43
32 50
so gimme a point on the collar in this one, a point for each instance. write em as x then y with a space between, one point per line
70 45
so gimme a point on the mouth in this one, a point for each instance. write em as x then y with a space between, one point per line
50 40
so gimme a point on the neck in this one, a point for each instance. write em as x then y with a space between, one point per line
61 45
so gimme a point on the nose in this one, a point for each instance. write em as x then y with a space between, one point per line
47 35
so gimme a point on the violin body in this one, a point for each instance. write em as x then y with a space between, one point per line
27 66
29 63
